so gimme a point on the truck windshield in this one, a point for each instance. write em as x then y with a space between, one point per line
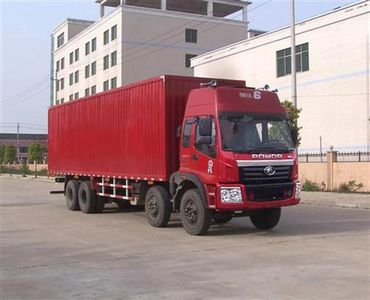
243 132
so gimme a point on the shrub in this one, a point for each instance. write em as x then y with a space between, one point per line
310 186
350 187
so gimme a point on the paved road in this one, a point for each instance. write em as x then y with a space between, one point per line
48 252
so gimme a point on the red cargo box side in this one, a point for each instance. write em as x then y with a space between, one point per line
127 132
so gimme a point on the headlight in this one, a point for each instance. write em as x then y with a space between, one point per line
298 189
231 195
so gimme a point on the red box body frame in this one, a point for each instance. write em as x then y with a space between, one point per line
129 132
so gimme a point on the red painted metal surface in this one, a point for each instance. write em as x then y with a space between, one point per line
127 132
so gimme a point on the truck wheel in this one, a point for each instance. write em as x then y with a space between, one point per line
72 195
87 198
222 218
266 218
158 206
194 215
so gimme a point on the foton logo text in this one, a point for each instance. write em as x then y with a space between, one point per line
267 156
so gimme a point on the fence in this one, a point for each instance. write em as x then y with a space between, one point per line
333 169
358 156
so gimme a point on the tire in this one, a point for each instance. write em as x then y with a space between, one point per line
194 215
266 218
158 206
222 218
124 204
87 198
100 203
72 195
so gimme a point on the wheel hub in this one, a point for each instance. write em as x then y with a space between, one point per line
153 207
191 212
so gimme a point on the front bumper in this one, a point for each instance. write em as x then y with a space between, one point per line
260 196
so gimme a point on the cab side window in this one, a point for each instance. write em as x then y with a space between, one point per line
186 134
206 145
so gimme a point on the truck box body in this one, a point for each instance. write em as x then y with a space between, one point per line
127 132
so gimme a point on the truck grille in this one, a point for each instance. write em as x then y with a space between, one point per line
256 175
261 187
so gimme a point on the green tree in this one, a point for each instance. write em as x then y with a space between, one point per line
276 131
293 116
2 148
36 152
10 154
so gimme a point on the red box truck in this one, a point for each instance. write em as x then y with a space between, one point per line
208 149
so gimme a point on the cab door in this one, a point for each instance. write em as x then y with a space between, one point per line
204 153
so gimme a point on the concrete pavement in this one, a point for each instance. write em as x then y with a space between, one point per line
48 252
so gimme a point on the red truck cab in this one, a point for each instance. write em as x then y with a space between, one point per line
236 149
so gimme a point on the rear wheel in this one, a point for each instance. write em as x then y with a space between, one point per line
194 215
158 206
266 218
100 203
72 195
87 198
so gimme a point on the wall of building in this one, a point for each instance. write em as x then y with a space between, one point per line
145 56
78 42
150 42
333 93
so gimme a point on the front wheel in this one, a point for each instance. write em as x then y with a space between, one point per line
194 215
266 218
158 206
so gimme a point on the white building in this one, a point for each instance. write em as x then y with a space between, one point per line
139 39
333 74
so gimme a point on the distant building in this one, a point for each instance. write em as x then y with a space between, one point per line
25 141
137 40
333 76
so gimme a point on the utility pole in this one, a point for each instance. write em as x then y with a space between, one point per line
294 63
55 79
18 152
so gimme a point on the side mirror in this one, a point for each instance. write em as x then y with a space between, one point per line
294 133
205 126
204 140
178 131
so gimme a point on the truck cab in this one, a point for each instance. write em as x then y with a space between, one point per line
237 156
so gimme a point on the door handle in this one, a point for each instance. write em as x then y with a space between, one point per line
194 157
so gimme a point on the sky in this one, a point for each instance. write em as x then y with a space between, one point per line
25 28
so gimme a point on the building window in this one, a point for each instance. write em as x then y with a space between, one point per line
87 92
284 60
113 83
87 48
71 58
70 97
57 85
188 57
302 58
77 54
106 37
62 63
93 90
58 66
93 68
62 84
77 96
77 75
106 85
114 32
60 40
71 79
113 58
93 44
106 62
62 101
87 71
191 35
